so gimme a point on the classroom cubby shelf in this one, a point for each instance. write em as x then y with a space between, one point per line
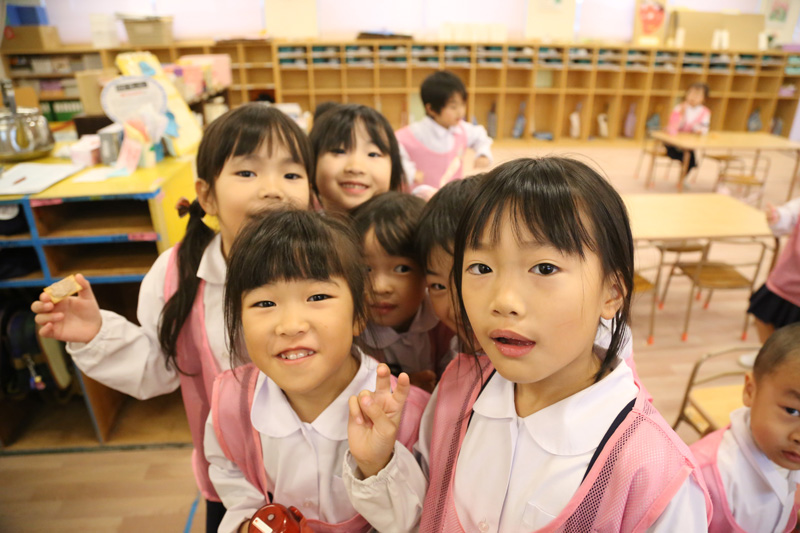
512 78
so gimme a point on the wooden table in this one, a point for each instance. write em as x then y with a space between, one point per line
726 140
665 217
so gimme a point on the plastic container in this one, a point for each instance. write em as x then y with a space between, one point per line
149 31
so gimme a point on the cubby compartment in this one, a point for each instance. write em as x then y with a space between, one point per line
742 83
602 104
262 95
107 259
228 49
94 219
395 108
263 77
327 79
20 263
358 78
513 105
235 98
236 77
736 115
164 55
14 226
389 78
607 80
487 78
293 80
630 106
457 56
575 103
483 106
716 104
718 83
688 78
425 55
258 54
663 81
418 75
767 84
546 109
362 99
519 78
660 106
766 109
635 81
579 80
785 110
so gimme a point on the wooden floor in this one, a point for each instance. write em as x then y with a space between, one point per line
153 490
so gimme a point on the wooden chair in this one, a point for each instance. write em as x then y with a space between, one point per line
716 275
646 280
745 176
650 147
707 409
678 248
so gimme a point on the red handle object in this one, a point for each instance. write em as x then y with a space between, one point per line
275 518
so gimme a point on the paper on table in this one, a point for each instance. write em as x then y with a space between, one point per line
94 174
30 178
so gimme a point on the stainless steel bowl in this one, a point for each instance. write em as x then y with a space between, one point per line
24 132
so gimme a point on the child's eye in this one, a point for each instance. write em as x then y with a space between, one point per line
293 176
479 269
375 154
545 269
791 411
318 297
338 150
437 287
264 303
402 269
246 173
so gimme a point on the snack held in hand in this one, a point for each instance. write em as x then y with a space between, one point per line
63 289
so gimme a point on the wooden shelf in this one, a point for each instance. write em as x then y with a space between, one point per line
92 219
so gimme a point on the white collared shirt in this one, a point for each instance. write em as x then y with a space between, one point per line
128 358
437 138
515 474
787 218
760 493
303 461
411 350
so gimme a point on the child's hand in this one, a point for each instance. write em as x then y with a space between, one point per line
374 419
419 177
772 214
73 319
425 380
482 162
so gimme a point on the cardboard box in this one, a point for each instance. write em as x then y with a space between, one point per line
148 31
699 28
90 85
31 38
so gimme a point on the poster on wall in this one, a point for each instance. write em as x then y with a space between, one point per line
650 22
778 11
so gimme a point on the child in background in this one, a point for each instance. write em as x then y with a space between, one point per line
547 430
752 467
690 116
294 300
434 242
432 148
403 326
357 156
250 159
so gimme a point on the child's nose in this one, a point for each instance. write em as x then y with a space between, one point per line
380 284
269 189
291 324
506 300
354 163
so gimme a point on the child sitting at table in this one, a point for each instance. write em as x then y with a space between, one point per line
690 116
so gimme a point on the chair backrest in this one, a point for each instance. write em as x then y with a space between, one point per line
753 261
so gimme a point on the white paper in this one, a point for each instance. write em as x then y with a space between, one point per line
30 178
94 175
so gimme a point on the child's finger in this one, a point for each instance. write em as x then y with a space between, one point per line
355 410
374 412
44 297
383 383
48 318
86 293
47 330
403 387
42 307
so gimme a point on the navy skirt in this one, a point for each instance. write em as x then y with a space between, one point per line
770 308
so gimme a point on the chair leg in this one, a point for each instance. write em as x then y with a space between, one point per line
746 323
650 338
699 294
708 298
666 287
638 165
685 335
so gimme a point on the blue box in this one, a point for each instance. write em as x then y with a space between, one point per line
26 16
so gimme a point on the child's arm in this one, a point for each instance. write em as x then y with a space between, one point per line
240 498
782 220
480 142
675 119
409 167
686 512
704 124
115 352
391 499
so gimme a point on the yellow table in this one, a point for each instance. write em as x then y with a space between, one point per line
727 140
664 217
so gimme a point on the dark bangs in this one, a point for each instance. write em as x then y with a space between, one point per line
336 129
243 130
563 203
288 245
394 217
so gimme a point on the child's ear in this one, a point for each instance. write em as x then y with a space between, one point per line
749 392
612 299
429 110
205 195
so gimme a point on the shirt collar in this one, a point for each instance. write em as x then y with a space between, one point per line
272 415
437 129
213 267
781 480
383 336
575 425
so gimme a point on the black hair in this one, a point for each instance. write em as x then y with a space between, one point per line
439 87
699 85
289 244
439 220
394 217
781 345
562 202
238 132
336 129
324 107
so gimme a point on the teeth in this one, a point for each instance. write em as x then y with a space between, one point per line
353 186
296 354
506 340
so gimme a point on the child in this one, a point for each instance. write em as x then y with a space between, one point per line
752 467
294 299
690 116
433 147
250 159
357 156
547 431
777 302
403 326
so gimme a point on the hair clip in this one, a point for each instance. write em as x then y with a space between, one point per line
183 206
